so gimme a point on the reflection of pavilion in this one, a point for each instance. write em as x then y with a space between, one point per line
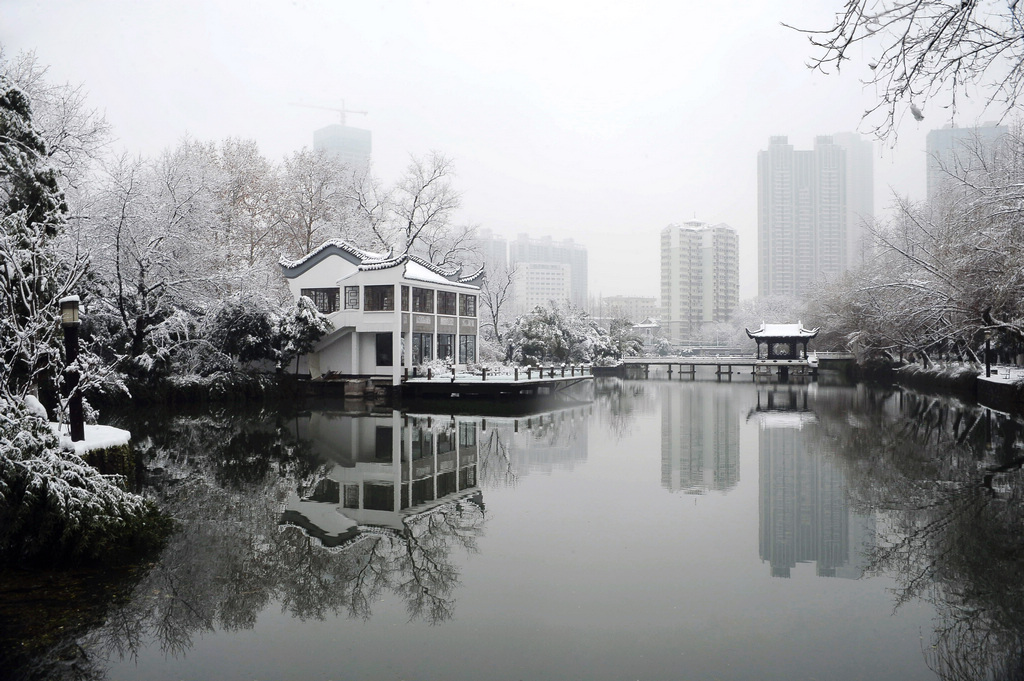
804 513
386 469
700 442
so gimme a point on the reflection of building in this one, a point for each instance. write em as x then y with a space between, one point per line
382 471
804 514
700 441
699 276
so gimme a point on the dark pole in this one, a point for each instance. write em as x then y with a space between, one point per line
70 321
988 356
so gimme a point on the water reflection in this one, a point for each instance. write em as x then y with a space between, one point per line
804 513
700 440
330 514
946 479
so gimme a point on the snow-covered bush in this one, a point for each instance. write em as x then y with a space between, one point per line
54 507
244 330
559 335
300 329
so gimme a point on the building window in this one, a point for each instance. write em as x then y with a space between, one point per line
384 357
379 298
326 300
446 346
422 300
446 302
422 347
468 304
405 299
351 297
467 349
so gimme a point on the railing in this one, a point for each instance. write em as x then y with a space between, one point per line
516 373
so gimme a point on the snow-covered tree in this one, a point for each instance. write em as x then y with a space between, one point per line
495 299
559 335
944 272
34 274
416 215
919 50
312 203
301 328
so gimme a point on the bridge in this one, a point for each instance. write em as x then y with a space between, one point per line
727 365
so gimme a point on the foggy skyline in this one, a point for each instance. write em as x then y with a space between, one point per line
601 122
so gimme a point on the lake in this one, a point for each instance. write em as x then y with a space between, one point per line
667 530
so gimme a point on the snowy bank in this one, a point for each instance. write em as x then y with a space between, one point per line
96 437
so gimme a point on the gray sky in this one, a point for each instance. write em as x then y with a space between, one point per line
600 121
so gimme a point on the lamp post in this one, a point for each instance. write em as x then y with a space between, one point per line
69 320
988 353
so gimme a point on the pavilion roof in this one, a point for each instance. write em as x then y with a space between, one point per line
782 331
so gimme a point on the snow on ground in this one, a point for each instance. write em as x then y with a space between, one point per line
96 437
1003 373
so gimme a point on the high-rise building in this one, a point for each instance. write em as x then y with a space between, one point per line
351 146
958 153
634 308
802 213
534 282
491 251
699 276
860 195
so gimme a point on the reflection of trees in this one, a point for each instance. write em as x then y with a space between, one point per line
511 448
225 480
948 479
620 402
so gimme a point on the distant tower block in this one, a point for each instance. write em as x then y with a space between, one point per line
351 146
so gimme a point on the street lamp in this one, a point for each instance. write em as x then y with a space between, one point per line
988 353
69 320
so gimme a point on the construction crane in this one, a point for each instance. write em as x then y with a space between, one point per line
340 111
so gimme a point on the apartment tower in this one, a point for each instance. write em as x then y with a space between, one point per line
699 276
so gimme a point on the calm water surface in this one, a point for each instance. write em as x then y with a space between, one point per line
668 530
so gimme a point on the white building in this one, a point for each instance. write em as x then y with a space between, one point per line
541 284
802 213
633 308
526 254
699 276
376 302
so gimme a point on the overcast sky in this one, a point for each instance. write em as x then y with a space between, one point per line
599 121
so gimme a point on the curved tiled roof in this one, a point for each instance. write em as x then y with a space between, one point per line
368 261
330 245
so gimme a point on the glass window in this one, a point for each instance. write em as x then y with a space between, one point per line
326 300
422 300
422 347
379 298
405 299
467 349
446 302
468 304
351 297
384 358
446 346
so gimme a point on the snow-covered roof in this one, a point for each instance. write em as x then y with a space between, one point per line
415 268
782 331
